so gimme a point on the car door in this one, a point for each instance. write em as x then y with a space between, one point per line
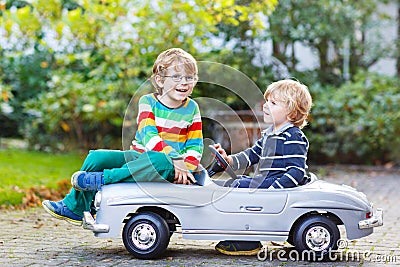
250 209
249 200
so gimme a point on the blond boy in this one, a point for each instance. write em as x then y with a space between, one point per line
280 153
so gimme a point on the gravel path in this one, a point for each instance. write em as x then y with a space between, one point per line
33 238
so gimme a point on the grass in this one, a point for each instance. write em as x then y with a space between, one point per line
21 169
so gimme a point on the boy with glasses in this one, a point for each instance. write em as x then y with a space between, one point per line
168 143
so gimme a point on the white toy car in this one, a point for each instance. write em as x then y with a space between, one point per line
307 216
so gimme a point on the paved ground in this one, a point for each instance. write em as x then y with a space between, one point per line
32 238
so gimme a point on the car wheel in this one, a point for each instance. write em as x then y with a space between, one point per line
172 229
318 235
146 235
290 240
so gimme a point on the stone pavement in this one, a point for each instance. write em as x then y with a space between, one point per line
33 238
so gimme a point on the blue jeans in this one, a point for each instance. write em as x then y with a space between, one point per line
248 182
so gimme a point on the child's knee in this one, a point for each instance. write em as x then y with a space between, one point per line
99 156
101 159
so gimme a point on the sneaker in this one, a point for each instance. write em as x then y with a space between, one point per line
60 211
87 181
238 248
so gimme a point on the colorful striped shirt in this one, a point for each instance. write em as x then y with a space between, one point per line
177 132
281 156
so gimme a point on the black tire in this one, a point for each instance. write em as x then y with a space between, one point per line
172 229
290 239
317 236
146 235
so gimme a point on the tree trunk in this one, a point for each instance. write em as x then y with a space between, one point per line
324 70
278 51
398 37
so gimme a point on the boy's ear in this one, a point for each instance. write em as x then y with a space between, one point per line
159 81
289 116
292 117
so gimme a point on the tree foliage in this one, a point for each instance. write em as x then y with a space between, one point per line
331 28
357 122
69 68
89 57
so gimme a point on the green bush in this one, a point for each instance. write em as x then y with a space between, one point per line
358 122
75 112
22 77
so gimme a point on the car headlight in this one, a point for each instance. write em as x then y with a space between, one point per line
97 200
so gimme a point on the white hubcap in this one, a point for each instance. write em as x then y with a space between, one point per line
144 236
318 238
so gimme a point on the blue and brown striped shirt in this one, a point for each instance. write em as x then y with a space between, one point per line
281 156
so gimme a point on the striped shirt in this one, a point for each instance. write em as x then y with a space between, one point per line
281 156
177 132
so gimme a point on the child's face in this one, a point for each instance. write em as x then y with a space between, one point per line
177 86
275 112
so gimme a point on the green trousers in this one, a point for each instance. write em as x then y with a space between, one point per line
120 166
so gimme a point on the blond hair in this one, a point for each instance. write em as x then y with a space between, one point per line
296 97
173 57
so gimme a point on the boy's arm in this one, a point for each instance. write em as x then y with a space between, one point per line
194 143
247 157
223 153
295 156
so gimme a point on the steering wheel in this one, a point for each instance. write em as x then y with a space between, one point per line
222 163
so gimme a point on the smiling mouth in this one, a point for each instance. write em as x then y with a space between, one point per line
182 90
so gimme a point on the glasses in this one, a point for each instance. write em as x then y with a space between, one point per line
178 78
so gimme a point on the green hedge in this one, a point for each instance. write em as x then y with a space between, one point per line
76 113
358 122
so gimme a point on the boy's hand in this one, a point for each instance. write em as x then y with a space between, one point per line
182 174
222 151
